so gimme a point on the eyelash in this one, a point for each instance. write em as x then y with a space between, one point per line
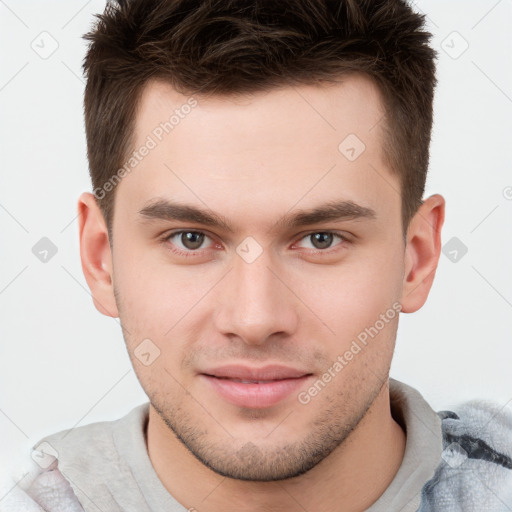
195 253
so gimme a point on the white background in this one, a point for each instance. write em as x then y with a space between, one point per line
63 364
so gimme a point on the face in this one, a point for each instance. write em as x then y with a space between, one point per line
235 320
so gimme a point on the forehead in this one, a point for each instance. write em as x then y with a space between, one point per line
351 105
294 144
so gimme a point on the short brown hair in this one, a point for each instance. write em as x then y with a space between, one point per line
238 46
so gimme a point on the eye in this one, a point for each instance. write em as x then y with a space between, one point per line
322 240
186 241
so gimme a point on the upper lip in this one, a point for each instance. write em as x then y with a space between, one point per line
269 372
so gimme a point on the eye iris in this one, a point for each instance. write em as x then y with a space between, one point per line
192 240
322 240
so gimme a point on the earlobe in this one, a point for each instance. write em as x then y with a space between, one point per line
422 252
96 255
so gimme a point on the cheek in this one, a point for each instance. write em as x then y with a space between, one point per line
148 287
162 303
138 285
352 296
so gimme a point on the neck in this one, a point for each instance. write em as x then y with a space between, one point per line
350 479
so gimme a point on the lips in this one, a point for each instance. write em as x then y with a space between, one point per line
245 381
266 373
255 387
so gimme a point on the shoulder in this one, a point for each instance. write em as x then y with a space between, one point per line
44 480
89 445
32 488
475 472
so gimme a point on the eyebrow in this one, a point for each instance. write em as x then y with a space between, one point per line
162 209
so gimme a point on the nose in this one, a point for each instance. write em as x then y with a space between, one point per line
256 302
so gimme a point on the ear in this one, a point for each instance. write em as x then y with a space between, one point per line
96 255
422 252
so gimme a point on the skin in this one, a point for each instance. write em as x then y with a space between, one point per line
253 159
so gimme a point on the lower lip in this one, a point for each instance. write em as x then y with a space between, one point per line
255 396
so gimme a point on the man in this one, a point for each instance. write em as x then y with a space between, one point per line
257 225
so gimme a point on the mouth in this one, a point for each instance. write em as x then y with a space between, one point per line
255 388
248 381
